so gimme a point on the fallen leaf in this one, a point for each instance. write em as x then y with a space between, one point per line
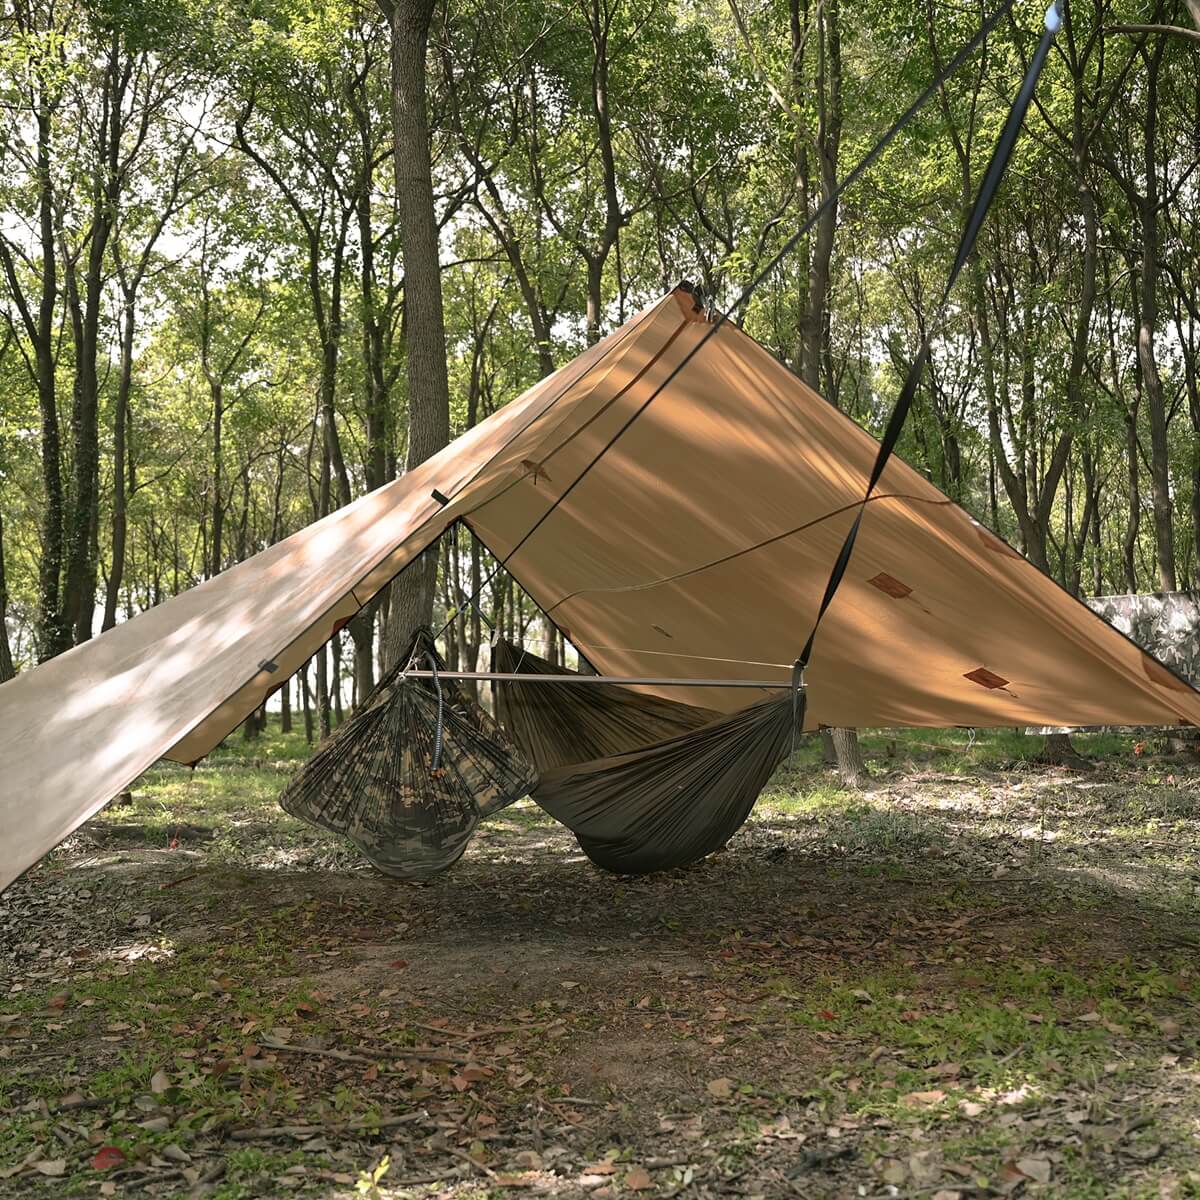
398 964
107 1156
638 1179
721 1088
1037 1169
159 1082
946 1070
51 1166
1169 1027
923 1099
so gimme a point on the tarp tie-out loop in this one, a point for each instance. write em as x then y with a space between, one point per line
991 181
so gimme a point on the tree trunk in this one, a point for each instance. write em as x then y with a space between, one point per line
814 328
851 765
7 670
323 714
79 573
1156 409
1057 751
1134 512
218 502
120 449
335 648
54 634
362 632
252 726
285 708
428 385
306 704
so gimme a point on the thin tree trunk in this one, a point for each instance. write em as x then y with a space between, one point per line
335 647
120 430
285 708
306 704
323 715
1134 512
428 385
7 670
79 573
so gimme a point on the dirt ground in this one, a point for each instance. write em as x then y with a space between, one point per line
980 977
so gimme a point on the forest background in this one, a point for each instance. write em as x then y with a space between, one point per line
207 341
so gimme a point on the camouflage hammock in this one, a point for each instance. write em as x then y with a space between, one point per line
409 776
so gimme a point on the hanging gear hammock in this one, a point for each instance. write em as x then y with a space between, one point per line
560 724
409 776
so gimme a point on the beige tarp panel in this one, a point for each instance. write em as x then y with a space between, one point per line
175 679
647 563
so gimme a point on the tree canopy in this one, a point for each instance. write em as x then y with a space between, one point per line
205 331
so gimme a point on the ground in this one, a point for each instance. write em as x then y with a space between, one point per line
980 977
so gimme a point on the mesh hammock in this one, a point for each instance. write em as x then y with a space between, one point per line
557 724
409 776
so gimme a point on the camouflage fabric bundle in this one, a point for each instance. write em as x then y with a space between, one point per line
1166 625
409 776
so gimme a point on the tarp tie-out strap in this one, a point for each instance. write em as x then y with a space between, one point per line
966 243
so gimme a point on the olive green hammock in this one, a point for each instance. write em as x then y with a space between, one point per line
645 784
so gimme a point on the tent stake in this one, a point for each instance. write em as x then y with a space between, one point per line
777 685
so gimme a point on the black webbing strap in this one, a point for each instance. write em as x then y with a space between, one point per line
895 425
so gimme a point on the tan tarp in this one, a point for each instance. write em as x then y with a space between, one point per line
646 565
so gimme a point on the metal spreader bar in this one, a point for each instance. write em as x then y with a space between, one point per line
620 681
